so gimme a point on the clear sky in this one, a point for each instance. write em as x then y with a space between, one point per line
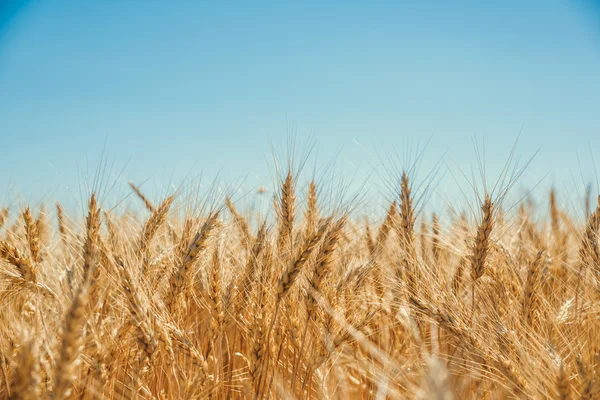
177 87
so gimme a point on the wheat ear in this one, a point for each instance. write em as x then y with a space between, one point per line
183 272
311 215
481 246
33 236
286 211
156 220
137 191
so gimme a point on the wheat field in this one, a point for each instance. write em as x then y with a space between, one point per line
170 301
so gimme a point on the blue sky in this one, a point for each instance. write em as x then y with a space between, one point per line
173 88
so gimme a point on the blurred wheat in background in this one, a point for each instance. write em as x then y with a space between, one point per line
176 301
